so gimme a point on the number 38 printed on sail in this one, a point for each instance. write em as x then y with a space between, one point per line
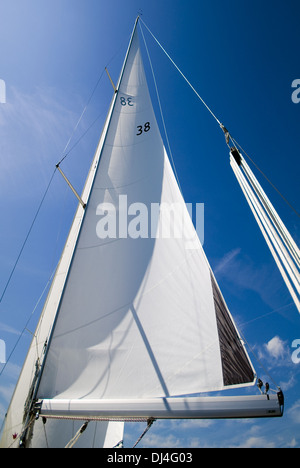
126 101
142 129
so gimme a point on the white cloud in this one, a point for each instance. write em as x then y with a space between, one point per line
257 442
226 261
162 441
8 329
292 444
294 412
276 348
192 424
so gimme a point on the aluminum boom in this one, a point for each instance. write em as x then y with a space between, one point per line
258 406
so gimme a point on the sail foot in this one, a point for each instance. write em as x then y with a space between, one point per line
233 407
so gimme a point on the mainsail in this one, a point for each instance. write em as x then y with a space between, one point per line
139 318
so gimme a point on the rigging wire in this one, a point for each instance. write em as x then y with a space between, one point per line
235 143
27 323
83 112
266 315
80 138
52 177
38 211
259 360
27 236
78 434
185 78
150 422
79 120
161 113
218 121
65 154
227 136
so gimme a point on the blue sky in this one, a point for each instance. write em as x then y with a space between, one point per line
242 57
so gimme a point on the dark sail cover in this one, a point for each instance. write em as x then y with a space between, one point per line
236 366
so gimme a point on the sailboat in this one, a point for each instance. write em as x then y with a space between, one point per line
134 327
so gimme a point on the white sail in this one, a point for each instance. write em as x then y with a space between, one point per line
137 315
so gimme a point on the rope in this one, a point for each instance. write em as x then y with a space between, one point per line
150 422
45 433
77 435
31 421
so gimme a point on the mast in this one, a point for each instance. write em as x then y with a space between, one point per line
94 168
26 389
85 204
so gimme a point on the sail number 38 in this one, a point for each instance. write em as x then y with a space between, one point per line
142 129
126 102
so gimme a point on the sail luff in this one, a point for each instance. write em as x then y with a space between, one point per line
94 168
97 161
14 417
